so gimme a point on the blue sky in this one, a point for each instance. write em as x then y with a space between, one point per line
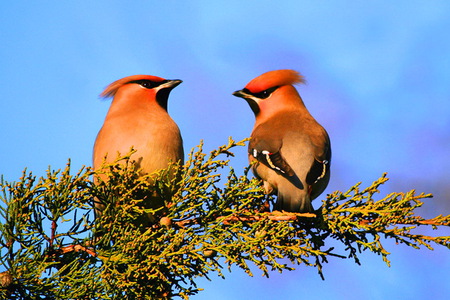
378 76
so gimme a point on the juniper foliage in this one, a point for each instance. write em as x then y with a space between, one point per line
51 247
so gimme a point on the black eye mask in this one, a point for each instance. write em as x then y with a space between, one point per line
262 95
148 84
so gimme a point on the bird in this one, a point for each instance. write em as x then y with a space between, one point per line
138 119
288 149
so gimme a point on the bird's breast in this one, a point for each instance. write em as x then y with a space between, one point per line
156 141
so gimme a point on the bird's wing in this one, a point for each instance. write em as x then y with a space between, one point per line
267 151
322 161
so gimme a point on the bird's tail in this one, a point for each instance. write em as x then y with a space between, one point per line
298 201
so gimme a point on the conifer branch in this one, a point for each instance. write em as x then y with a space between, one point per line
52 247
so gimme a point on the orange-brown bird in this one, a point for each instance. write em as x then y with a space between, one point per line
289 150
138 118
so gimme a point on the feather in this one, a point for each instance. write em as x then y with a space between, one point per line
274 78
273 160
112 89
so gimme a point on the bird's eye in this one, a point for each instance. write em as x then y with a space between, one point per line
266 93
148 84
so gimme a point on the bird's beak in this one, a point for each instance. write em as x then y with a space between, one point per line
169 84
251 100
240 94
172 83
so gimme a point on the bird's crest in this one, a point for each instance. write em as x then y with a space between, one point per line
112 89
274 78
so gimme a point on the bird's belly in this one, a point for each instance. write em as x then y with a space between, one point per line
155 147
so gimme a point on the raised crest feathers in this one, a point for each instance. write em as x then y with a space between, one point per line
274 78
112 89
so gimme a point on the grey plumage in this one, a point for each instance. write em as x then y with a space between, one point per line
288 149
138 118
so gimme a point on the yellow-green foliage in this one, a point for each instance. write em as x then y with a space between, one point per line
52 247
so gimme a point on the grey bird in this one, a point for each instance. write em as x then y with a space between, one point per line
289 150
138 118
